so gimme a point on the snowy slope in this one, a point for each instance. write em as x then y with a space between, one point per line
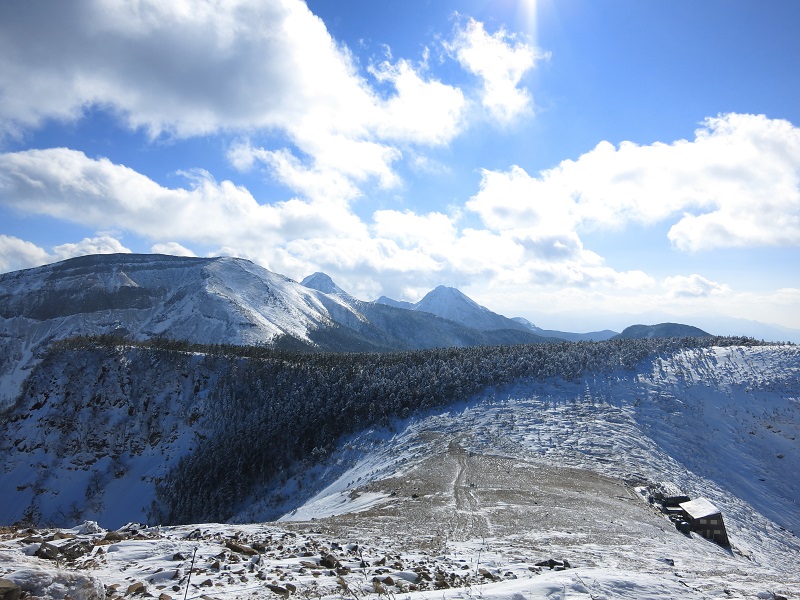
725 418
97 430
476 495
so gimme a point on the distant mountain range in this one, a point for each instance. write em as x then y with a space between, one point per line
452 304
206 300
233 301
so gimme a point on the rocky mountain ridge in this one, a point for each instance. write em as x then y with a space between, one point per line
203 300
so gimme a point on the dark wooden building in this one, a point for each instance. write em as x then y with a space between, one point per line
706 519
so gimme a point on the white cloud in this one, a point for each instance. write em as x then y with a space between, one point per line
289 170
67 184
175 68
245 66
18 254
432 232
736 184
104 244
513 199
694 286
500 61
427 112
291 237
171 248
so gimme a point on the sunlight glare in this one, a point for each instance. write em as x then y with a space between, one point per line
526 10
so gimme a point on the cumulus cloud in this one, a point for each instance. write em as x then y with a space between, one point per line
68 185
734 185
694 286
293 237
246 66
172 67
500 61
422 111
103 244
18 254
433 232
171 248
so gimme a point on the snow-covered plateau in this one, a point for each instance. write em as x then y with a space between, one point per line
534 489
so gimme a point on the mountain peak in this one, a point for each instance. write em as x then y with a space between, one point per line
447 299
322 283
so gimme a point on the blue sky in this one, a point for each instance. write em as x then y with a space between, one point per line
582 164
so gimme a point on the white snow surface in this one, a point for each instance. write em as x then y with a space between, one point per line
519 475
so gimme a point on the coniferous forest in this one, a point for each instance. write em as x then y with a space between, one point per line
274 410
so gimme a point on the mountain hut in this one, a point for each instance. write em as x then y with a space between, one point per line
706 519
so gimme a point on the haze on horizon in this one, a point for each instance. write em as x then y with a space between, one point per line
574 163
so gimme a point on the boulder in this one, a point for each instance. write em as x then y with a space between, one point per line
136 588
9 590
281 591
329 561
240 548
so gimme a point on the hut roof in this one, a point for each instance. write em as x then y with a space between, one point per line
699 508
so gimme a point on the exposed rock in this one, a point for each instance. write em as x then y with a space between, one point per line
329 561
240 548
135 588
70 550
553 564
47 551
281 591
76 549
9 590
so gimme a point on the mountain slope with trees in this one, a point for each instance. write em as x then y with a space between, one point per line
198 428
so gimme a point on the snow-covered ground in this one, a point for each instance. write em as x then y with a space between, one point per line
464 502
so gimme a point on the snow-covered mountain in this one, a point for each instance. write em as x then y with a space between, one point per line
203 300
452 304
494 472
323 283
449 303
